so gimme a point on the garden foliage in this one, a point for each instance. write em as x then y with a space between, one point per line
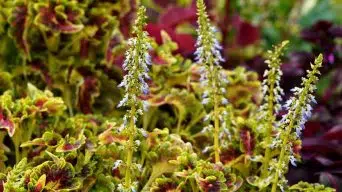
90 102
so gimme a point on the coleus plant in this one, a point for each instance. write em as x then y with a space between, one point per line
183 108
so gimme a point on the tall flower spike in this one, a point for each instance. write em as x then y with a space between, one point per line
299 110
136 63
272 97
212 77
136 66
208 47
271 84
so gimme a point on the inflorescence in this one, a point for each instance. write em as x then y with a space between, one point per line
272 97
291 125
213 79
134 82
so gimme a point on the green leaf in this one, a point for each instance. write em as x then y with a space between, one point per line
321 11
308 187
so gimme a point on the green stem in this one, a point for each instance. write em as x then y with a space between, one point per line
17 137
68 100
148 117
288 132
158 169
282 154
193 186
233 162
65 49
194 121
283 148
25 68
198 134
270 121
216 131
130 149
30 125
17 153
179 124
56 122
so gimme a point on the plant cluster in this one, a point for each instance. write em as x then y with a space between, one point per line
71 120
246 29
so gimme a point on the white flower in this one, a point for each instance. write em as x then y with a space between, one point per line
224 101
146 105
139 167
205 101
117 164
206 149
140 111
144 88
207 118
137 142
143 133
123 101
223 90
148 59
293 160
122 127
205 94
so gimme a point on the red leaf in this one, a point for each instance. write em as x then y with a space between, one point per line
40 184
87 91
318 31
247 139
228 155
68 146
164 3
1 185
19 25
176 15
40 102
329 180
48 17
128 19
247 33
40 66
334 133
323 160
108 137
311 129
186 43
296 147
114 41
6 123
318 145
210 186
84 48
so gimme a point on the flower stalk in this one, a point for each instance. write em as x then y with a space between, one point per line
272 98
216 132
208 56
299 110
136 66
130 149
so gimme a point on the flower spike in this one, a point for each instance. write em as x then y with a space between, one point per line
299 110
134 82
208 56
272 97
136 63
271 85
